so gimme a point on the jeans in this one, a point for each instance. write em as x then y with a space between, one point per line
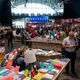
10 43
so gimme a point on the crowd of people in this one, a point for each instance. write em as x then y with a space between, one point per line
58 33
70 43
7 34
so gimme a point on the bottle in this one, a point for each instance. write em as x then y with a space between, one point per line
35 68
33 72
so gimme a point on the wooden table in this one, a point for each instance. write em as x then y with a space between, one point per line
39 57
43 55
60 72
41 43
46 57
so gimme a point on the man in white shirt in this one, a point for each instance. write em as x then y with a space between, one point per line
69 44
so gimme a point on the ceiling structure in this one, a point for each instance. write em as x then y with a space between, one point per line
51 3
51 7
32 8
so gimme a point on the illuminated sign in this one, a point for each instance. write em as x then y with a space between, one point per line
39 18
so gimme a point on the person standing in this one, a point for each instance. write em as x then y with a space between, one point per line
78 37
10 38
2 34
62 34
22 36
28 37
69 44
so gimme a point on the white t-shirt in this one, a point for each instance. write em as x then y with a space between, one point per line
68 41
29 56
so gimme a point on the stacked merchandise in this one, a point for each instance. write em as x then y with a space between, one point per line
5 57
42 71
45 52
7 72
2 51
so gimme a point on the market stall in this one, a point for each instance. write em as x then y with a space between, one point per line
48 70
43 55
45 68
42 43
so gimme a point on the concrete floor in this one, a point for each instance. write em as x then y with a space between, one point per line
63 76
